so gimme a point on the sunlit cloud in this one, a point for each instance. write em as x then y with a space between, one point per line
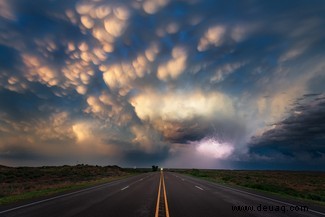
89 142
158 79
175 66
213 36
152 6
181 105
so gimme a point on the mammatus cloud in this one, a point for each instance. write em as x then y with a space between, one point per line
173 67
159 81
212 37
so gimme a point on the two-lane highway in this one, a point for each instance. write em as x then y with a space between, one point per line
162 194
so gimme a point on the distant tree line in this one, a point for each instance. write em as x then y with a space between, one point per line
154 168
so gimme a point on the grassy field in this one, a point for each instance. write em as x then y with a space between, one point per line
304 185
21 183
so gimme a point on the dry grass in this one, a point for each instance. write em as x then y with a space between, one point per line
17 183
305 185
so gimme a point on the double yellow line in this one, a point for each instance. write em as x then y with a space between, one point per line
162 182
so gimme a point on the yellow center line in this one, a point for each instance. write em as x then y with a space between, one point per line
163 186
158 198
165 196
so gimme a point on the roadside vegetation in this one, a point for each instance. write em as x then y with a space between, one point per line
21 183
304 185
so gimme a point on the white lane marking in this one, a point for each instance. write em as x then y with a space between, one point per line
140 179
61 196
125 188
52 198
199 188
183 179
267 198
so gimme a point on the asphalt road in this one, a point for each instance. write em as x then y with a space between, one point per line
179 196
192 197
134 196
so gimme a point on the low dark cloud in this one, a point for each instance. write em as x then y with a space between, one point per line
139 158
16 154
299 137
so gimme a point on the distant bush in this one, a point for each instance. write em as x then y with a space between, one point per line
154 168
198 173
315 197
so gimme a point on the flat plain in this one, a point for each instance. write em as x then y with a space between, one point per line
23 183
307 185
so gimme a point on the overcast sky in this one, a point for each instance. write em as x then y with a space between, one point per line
177 83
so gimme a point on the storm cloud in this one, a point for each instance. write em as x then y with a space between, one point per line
162 82
299 137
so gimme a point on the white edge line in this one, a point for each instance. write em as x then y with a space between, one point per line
125 188
199 188
49 199
260 196
267 198
59 196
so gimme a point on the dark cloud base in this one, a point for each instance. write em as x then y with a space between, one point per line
297 140
139 158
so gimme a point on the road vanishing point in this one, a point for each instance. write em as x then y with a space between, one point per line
162 194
